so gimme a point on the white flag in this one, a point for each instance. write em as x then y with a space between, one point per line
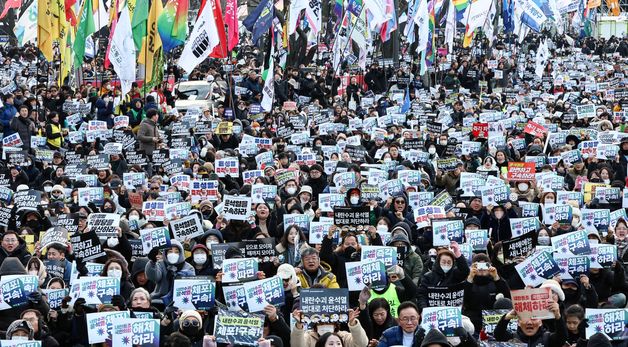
476 13
542 55
422 19
314 15
295 10
122 52
268 93
26 27
377 8
203 38
450 28
488 27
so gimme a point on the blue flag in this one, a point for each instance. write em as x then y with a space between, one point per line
406 102
507 14
260 20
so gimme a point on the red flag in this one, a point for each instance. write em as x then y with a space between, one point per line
70 16
219 51
232 23
9 5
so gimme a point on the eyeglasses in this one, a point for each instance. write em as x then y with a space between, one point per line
409 319
400 202
10 240
193 323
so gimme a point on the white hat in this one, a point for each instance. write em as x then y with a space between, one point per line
21 187
286 272
555 287
306 189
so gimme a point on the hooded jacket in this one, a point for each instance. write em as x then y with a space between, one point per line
139 266
324 277
480 295
437 277
412 263
163 274
20 252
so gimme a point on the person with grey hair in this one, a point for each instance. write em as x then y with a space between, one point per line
313 271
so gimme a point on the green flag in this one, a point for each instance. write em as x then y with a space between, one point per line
138 23
86 27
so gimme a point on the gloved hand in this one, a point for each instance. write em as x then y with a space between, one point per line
152 255
461 333
118 301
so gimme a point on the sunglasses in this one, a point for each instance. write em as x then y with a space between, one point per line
188 323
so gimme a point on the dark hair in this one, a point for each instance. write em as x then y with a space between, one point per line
177 339
151 112
575 310
378 303
24 106
125 271
323 339
407 304
284 237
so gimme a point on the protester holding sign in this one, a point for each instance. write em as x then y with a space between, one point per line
162 272
449 268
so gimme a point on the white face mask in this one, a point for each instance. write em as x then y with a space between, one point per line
47 189
354 200
549 201
112 241
382 228
172 258
322 329
114 273
544 240
523 187
443 143
446 268
33 272
431 150
291 190
594 241
607 181
21 338
134 217
210 243
200 258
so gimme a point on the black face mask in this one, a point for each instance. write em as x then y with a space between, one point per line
33 224
190 331
349 251
570 293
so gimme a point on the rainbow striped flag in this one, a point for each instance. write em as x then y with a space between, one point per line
430 55
172 24
461 6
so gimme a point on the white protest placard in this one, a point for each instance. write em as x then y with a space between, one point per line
227 166
104 224
187 228
236 207
154 238
194 293
239 269
100 324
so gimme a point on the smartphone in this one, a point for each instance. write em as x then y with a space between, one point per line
482 266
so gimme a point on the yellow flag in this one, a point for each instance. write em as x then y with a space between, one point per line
613 7
65 48
58 21
44 29
151 44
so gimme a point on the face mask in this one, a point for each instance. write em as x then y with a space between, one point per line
500 257
349 251
544 240
354 200
523 187
190 330
108 210
322 329
382 228
210 243
47 189
549 201
33 273
607 181
112 241
114 273
499 214
134 217
200 258
446 268
443 142
291 190
303 202
21 338
593 241
173 258
431 150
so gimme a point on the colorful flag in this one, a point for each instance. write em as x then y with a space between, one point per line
70 16
151 48
296 7
122 53
461 7
406 102
430 54
475 16
26 27
268 75
9 5
86 27
172 24
260 20
60 25
140 16
65 51
339 7
203 38
231 17
391 24
613 7
44 30
112 30
220 51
